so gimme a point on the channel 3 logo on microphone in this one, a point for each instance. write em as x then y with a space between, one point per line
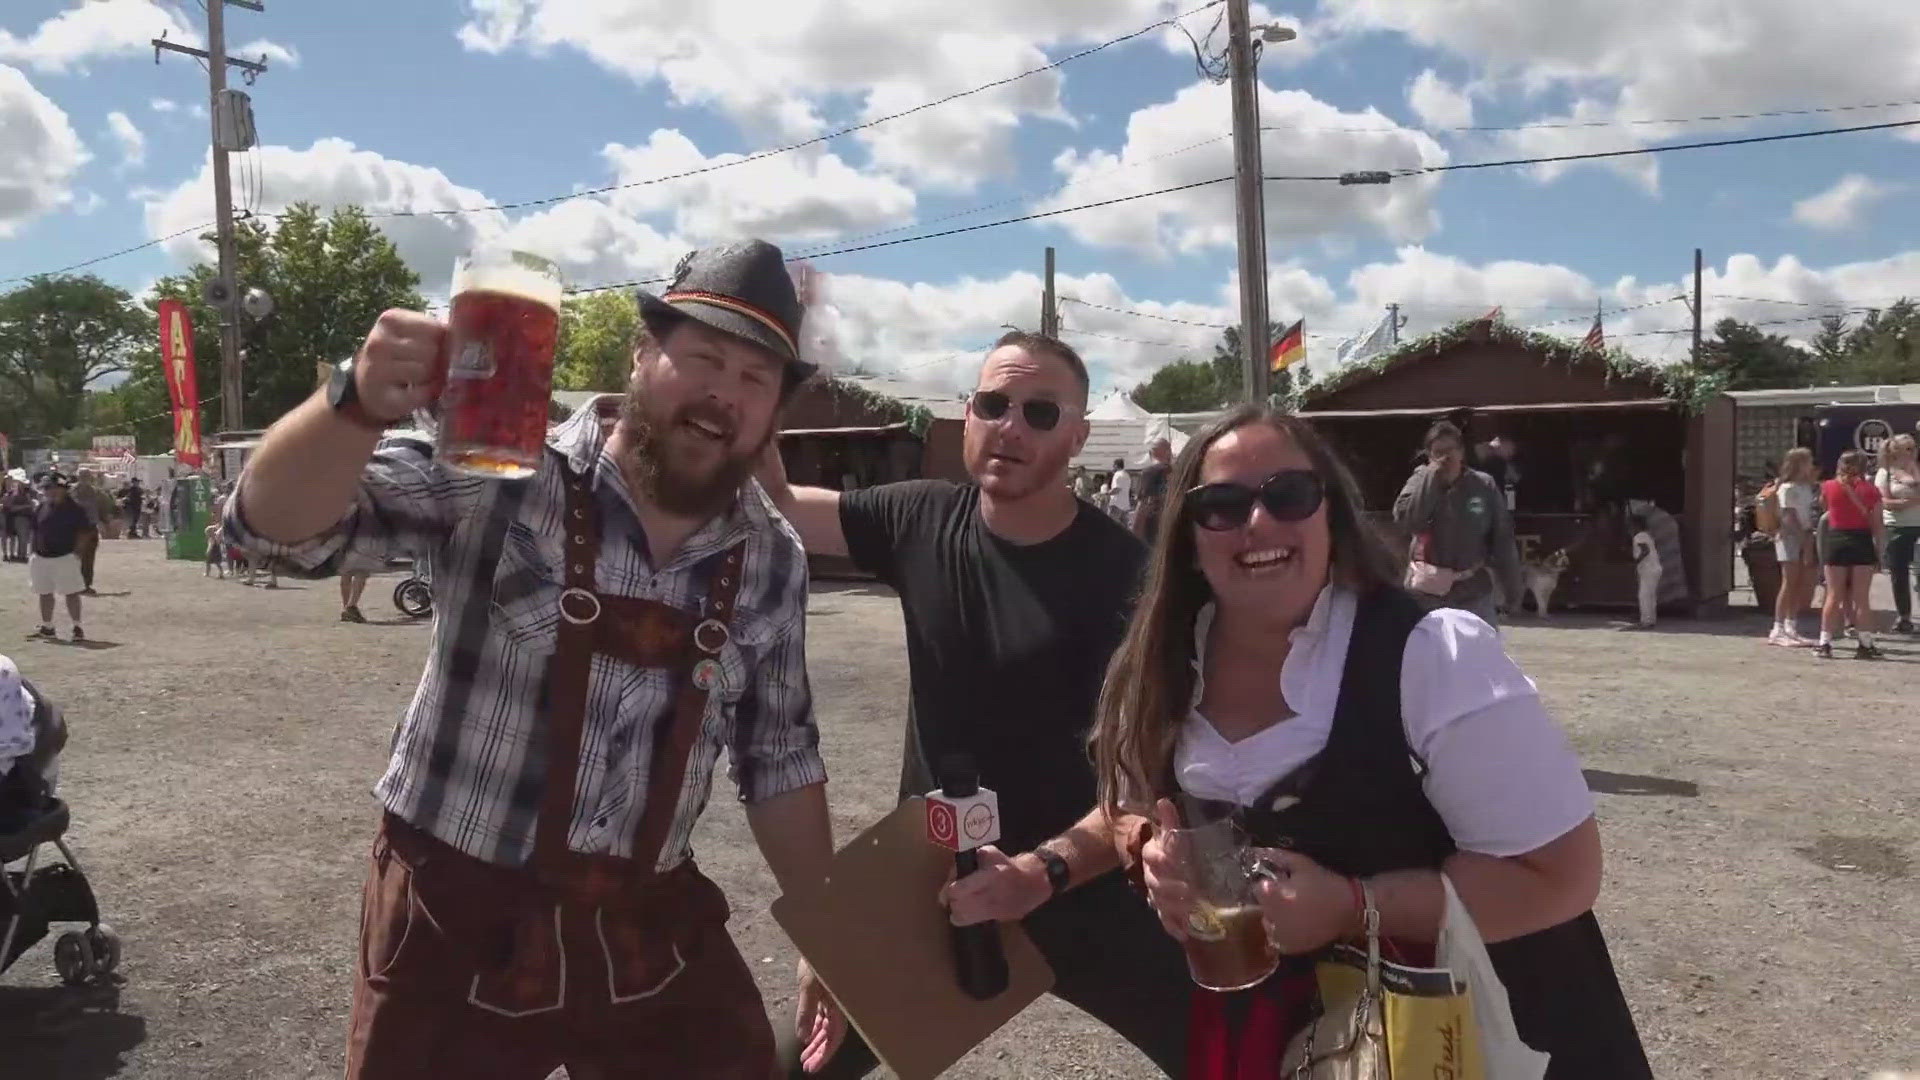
963 823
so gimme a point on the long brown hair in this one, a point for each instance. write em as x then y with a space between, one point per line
1853 466
1790 465
1150 679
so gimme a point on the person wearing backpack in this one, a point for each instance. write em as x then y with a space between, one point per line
1790 499
1852 553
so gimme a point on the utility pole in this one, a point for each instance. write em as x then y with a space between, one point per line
1393 323
221 112
1696 307
1249 201
1050 303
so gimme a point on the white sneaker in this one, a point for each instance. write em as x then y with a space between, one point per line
1784 639
1794 634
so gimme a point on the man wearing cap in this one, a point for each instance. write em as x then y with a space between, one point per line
602 631
53 567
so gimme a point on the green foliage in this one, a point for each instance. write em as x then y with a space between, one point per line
1883 349
1745 358
885 409
58 337
1182 386
598 333
330 278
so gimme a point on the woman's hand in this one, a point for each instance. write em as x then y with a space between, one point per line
1309 906
1163 869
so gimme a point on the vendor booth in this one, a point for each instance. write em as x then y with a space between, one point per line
1586 434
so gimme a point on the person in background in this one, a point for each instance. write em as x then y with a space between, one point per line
54 567
1459 522
1646 569
352 584
216 553
16 511
1274 671
1852 554
1120 493
1015 595
16 717
1794 545
133 506
100 511
1899 484
1153 490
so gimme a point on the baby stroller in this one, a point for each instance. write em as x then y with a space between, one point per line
414 595
36 896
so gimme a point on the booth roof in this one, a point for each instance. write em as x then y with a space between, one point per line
1677 382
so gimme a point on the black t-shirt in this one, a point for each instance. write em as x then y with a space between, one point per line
1007 644
1153 481
57 527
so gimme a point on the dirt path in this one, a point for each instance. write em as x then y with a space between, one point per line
1759 899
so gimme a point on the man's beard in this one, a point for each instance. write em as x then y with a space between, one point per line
649 462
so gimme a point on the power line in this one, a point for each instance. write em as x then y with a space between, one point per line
1131 341
816 140
1670 147
1142 314
110 255
1574 124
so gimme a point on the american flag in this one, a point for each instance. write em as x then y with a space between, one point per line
1596 339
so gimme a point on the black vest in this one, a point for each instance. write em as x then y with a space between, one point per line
1358 808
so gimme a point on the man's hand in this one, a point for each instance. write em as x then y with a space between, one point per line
399 367
820 1023
1002 890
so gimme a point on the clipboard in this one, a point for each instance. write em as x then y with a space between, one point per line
877 936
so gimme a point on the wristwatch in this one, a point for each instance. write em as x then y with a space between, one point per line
343 393
1059 874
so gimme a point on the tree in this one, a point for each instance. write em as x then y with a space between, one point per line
1884 348
1226 365
598 333
1182 386
1752 360
58 337
329 278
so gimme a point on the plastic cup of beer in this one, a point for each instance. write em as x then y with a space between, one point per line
501 336
1226 944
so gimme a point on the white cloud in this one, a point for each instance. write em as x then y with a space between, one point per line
98 29
1637 59
272 52
1438 103
594 244
42 152
86 202
1305 137
800 196
1842 205
793 70
330 173
163 105
133 145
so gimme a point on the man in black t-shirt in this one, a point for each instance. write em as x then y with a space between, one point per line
1153 490
1015 595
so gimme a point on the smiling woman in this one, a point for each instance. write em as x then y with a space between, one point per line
1249 689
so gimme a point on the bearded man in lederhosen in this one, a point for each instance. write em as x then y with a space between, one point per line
603 630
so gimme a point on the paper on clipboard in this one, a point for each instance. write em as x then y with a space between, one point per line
877 936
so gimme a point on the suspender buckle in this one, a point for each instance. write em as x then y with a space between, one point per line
711 636
579 596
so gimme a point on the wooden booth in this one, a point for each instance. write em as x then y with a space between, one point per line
1591 430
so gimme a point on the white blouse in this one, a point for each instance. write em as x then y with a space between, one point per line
1501 773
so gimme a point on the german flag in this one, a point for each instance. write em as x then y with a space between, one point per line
1291 348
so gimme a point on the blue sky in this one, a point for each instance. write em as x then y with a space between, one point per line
418 106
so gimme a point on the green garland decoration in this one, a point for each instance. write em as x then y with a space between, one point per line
888 410
1678 382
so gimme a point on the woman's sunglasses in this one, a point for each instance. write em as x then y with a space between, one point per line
1289 495
1039 413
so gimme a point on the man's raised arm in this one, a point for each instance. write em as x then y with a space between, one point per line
303 478
814 512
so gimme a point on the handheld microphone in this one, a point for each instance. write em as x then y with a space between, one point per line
962 817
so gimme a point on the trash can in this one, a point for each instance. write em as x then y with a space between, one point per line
1763 570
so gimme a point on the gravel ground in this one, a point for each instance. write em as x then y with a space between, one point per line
1759 895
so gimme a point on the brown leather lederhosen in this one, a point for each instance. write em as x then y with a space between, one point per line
581 959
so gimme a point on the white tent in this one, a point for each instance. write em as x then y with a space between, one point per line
1117 406
1161 427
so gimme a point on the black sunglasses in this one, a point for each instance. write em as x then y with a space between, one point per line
1289 495
1039 413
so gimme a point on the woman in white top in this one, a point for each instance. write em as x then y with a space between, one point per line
1794 545
1899 484
1254 682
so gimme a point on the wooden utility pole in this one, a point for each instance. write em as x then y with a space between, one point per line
1393 323
1249 201
1697 265
221 113
1050 303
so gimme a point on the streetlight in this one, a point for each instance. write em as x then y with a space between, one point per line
1249 209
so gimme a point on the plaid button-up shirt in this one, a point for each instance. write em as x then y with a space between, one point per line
469 762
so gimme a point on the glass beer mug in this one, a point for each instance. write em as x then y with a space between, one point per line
1227 945
501 335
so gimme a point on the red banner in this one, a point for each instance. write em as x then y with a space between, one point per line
176 359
